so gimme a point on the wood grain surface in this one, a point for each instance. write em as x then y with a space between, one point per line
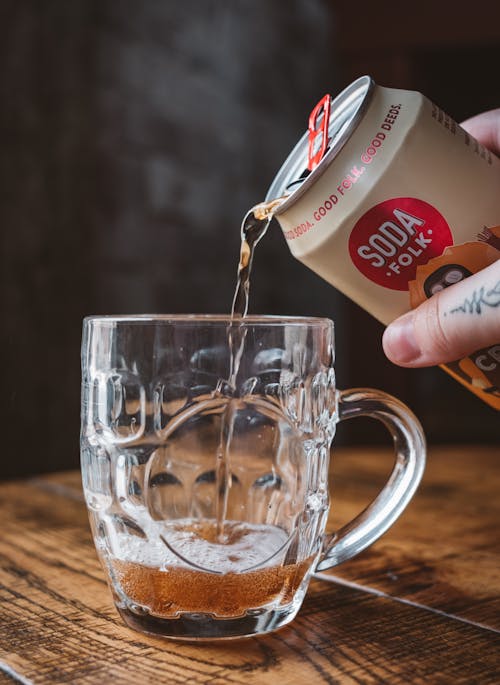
444 552
420 607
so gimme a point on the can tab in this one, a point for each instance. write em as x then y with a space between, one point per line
319 123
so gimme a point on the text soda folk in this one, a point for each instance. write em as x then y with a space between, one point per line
390 200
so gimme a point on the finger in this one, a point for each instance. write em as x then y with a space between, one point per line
485 128
450 325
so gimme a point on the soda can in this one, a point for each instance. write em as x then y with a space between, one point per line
387 198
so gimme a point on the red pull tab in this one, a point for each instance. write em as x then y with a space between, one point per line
319 121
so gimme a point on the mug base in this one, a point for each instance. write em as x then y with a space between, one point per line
198 627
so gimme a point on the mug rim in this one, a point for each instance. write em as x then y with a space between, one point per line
190 319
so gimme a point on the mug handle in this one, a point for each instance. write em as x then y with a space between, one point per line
409 448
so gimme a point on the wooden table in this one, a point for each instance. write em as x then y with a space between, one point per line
421 606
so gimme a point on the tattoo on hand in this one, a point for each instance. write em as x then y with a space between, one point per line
479 300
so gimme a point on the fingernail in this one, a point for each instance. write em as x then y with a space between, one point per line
399 341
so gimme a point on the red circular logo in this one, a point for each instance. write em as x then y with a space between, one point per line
394 237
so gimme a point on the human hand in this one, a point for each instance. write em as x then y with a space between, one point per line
461 318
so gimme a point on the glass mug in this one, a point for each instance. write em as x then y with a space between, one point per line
208 497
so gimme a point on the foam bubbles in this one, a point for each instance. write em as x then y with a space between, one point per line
185 543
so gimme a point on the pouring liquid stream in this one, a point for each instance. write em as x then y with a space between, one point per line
253 227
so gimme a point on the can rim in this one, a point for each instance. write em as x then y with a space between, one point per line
357 96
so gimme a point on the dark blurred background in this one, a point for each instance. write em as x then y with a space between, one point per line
135 135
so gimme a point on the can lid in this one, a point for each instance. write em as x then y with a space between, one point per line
346 111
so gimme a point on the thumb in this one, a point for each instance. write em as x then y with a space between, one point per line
452 324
